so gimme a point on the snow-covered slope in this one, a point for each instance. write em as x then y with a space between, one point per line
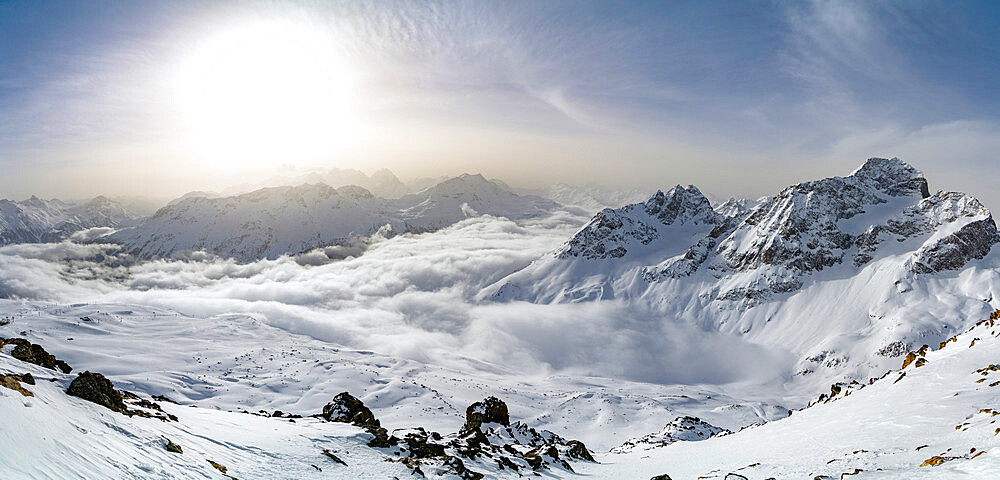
937 419
36 220
275 221
218 366
904 260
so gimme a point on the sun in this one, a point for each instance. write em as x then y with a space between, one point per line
265 94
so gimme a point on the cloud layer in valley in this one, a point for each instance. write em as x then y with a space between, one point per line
411 296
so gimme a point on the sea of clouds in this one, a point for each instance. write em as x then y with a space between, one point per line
412 296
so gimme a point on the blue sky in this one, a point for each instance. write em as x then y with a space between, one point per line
739 98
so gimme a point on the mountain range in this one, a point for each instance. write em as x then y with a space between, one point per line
36 220
845 273
289 220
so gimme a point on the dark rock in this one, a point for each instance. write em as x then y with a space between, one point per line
475 438
13 382
93 387
32 353
334 457
218 467
63 366
455 466
579 451
505 462
26 351
550 451
490 410
534 461
418 444
345 408
661 477
381 439
27 378
173 447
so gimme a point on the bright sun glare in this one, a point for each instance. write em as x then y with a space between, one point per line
263 95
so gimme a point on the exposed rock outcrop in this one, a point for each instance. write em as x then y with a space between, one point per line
26 351
680 429
490 410
95 388
13 382
487 436
345 408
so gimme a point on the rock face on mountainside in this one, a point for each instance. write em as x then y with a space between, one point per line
829 259
770 249
962 229
614 232
799 228
36 220
271 222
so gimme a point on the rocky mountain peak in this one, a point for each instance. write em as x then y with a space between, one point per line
467 183
612 233
34 202
735 207
355 192
680 204
772 248
892 176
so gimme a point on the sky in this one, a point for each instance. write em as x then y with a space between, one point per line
738 98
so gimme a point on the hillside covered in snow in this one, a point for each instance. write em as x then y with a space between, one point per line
291 220
848 273
37 221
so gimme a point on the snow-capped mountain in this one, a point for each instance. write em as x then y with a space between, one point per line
383 183
270 222
590 198
779 273
735 207
36 220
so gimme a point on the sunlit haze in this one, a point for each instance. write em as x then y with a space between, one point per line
161 98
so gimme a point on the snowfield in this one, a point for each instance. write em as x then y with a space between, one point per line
886 429
622 331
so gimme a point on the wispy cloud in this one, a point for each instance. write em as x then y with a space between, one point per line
678 91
